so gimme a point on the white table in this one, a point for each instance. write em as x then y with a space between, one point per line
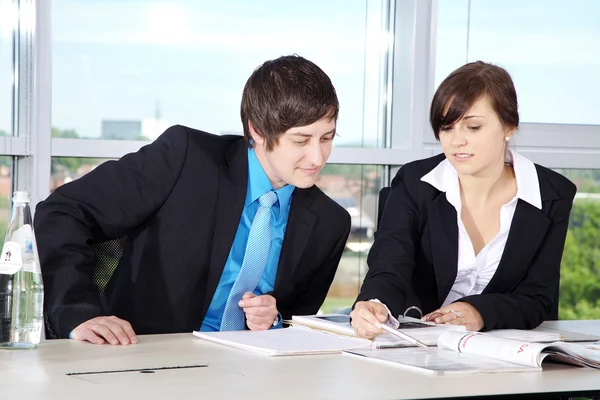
232 373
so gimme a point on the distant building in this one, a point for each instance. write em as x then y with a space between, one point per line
146 129
121 129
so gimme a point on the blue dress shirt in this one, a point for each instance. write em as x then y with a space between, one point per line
258 184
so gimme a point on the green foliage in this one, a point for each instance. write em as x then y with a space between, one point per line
580 269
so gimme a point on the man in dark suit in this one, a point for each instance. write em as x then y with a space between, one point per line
196 255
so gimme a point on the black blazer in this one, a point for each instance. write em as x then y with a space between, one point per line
179 200
414 258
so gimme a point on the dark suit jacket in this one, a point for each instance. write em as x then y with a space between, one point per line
415 255
179 200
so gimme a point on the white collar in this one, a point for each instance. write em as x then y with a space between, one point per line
445 179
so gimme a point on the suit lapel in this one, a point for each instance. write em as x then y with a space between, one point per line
299 228
527 231
443 229
233 183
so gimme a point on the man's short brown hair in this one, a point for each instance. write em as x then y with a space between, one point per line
284 93
465 86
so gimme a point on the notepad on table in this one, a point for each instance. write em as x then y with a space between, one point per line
285 342
425 332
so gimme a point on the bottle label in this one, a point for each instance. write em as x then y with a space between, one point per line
10 260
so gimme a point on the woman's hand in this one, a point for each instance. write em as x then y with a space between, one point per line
459 313
367 318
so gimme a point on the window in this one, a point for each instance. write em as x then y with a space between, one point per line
580 269
7 14
186 62
551 49
67 169
5 193
356 188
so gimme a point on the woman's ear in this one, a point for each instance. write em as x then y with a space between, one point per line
509 133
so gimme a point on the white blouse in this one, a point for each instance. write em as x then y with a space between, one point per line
475 272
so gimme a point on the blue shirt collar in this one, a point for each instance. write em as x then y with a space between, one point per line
259 184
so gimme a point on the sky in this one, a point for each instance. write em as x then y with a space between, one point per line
190 58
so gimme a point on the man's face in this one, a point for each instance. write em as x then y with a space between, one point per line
299 156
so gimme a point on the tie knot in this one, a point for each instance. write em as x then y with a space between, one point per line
268 199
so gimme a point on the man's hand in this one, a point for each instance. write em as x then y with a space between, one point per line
102 330
260 311
459 313
367 318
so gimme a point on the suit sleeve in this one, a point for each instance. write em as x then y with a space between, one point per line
107 203
532 300
308 302
391 259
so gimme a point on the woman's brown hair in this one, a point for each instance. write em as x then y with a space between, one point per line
463 87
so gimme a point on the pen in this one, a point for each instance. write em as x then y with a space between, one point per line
404 336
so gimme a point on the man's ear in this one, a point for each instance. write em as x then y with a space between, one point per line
256 137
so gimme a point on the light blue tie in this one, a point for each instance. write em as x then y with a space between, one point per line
253 266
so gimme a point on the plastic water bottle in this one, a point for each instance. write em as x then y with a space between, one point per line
21 287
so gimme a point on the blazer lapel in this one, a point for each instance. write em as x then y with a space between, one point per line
233 183
527 231
299 228
443 228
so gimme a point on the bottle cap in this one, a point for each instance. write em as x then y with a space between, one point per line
21 196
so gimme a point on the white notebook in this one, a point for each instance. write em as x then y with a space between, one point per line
426 332
285 342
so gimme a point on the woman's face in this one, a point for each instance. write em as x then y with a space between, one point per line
476 144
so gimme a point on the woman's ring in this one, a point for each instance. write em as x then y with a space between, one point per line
455 313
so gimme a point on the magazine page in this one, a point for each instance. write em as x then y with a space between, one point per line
438 362
584 355
510 350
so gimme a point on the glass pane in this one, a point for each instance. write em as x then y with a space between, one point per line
5 193
580 269
186 62
67 169
7 14
551 49
356 188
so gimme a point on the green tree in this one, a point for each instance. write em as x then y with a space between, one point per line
580 269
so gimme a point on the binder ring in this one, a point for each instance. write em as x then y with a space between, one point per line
413 308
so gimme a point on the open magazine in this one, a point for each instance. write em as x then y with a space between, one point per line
472 352
426 332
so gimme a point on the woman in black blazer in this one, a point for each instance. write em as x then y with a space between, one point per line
473 236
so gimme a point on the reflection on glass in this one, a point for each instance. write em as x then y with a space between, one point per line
580 269
356 188
186 62
551 49
6 65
